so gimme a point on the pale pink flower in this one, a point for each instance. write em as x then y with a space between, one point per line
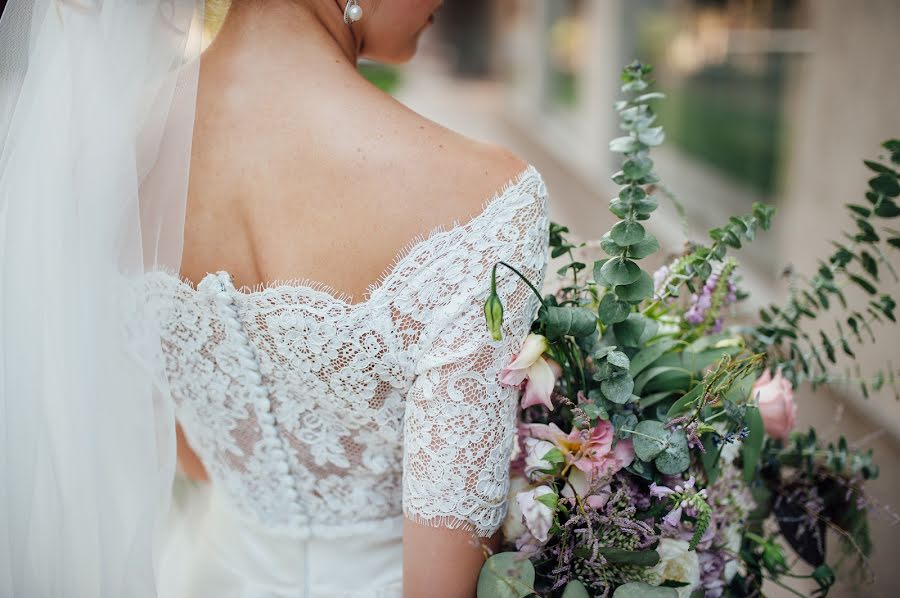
537 372
582 484
535 449
537 516
591 451
775 399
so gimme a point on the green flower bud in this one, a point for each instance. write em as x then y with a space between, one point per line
493 309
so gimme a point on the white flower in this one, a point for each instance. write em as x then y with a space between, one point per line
538 516
513 526
535 450
677 563
733 537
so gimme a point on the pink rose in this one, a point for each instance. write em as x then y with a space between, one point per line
775 399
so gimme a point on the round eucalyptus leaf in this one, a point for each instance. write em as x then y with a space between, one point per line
647 205
676 457
639 589
632 193
506 575
650 440
568 320
598 275
575 589
646 246
629 331
637 168
627 232
618 388
612 310
640 289
618 359
610 246
620 271
619 208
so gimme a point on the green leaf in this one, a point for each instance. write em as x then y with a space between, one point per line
620 271
623 145
618 359
676 457
646 246
549 500
554 456
637 168
598 275
682 404
739 391
618 388
886 184
612 310
637 291
609 246
575 589
652 136
649 375
863 284
710 458
568 320
638 558
652 399
752 445
627 232
506 575
648 355
639 589
650 440
878 167
886 208
630 331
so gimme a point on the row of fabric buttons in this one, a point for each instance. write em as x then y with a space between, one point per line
273 444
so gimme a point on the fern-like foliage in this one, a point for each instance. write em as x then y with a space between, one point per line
860 260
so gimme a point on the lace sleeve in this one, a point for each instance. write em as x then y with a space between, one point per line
459 424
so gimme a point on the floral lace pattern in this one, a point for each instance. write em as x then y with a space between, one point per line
320 416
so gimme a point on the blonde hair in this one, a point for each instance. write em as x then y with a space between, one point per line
214 12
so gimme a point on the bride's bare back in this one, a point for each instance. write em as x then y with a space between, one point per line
301 169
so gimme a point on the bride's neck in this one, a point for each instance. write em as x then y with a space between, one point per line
284 36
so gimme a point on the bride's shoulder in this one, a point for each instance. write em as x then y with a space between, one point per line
454 174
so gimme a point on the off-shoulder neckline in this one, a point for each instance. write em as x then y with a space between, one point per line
344 299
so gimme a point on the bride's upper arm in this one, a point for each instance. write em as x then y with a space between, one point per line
459 426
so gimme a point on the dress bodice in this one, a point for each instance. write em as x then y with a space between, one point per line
316 416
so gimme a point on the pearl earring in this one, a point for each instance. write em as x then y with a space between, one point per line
352 11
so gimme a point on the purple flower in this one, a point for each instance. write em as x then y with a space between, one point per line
660 491
674 517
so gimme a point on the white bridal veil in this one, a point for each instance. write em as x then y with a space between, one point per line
97 105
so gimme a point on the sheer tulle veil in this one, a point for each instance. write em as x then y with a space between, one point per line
97 103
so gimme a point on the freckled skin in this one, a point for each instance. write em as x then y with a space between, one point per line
302 169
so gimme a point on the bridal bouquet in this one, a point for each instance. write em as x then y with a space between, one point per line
657 450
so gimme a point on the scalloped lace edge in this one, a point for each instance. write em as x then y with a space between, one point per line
410 247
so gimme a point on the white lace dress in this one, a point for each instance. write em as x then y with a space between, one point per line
323 422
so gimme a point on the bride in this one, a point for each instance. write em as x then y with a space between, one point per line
302 316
